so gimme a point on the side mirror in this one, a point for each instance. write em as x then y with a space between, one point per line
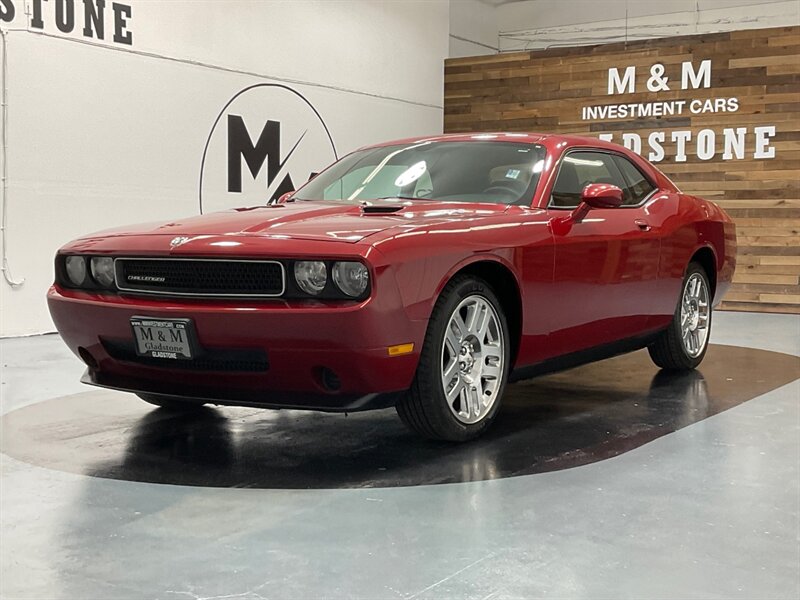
284 198
594 195
602 195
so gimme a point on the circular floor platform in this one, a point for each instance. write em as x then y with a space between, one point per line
554 422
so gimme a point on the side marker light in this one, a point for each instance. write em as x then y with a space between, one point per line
401 349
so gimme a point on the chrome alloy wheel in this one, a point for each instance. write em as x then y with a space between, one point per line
695 315
472 359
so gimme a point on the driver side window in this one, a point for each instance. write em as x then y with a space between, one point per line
579 169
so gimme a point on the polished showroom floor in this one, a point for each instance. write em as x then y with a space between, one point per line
608 481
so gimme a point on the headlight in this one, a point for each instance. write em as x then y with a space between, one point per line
76 269
351 277
311 276
103 270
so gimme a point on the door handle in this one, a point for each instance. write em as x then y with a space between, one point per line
643 225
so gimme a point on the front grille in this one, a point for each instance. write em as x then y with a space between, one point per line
200 277
211 359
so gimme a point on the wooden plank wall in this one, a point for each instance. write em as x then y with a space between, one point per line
546 90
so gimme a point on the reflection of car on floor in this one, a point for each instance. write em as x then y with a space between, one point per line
421 273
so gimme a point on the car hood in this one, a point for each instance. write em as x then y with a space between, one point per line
314 220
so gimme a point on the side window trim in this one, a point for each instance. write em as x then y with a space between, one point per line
612 153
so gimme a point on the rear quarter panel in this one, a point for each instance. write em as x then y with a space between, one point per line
695 224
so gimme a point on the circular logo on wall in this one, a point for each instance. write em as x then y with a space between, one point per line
267 140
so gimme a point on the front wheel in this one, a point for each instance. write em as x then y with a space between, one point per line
171 403
683 344
463 365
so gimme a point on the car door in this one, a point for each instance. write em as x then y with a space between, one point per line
606 262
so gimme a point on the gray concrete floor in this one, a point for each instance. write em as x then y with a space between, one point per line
708 511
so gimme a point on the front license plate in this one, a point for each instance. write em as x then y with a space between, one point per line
163 338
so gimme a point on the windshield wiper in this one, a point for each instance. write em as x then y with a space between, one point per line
396 198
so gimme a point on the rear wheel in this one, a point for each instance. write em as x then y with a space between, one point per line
171 403
463 366
684 343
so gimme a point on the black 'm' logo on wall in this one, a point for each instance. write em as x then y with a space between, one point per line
266 149
279 118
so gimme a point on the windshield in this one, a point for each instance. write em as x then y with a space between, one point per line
492 172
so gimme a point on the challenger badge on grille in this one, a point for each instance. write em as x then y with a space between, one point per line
201 277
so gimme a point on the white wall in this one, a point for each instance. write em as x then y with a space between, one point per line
103 134
473 28
538 24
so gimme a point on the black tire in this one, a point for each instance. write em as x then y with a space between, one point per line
668 351
424 407
172 403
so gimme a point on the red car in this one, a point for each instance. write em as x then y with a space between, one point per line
422 273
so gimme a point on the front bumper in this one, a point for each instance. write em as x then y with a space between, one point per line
289 342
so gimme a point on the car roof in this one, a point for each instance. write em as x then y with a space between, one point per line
549 140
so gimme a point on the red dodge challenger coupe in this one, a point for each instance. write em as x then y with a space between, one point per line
422 273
